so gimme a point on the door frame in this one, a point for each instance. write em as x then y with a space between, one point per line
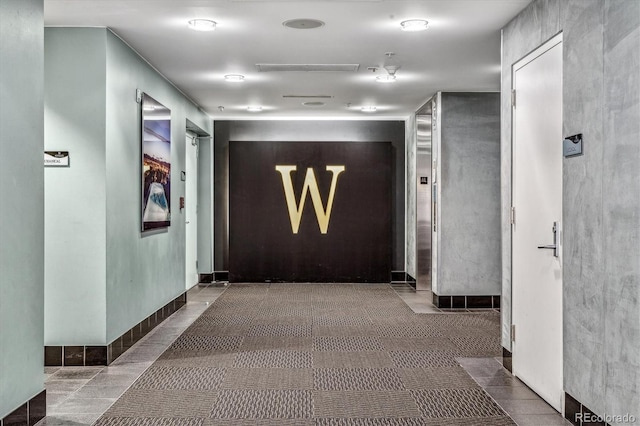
191 142
520 63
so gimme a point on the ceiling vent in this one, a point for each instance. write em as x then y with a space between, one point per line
308 67
303 24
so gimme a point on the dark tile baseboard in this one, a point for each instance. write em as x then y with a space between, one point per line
205 278
403 277
66 356
215 276
466 302
579 415
507 360
29 413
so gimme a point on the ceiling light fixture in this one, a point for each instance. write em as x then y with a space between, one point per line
234 78
414 25
254 108
368 109
202 25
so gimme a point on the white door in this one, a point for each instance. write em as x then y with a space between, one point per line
191 211
537 199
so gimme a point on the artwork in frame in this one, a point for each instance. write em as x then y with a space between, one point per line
156 164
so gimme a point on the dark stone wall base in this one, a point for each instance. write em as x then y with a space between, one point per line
214 277
78 356
205 279
579 415
466 302
507 360
403 277
29 413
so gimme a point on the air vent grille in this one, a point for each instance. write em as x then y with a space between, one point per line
308 67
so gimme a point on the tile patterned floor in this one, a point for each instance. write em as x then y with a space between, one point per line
256 358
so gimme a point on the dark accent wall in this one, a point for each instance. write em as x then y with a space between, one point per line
307 131
276 232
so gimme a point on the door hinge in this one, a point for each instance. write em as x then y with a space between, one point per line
196 265
513 332
512 216
513 98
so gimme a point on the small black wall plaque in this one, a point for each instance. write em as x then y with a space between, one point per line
572 145
424 180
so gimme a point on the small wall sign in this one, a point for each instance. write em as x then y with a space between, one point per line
424 180
572 145
56 158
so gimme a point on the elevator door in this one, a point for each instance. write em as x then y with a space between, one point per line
423 205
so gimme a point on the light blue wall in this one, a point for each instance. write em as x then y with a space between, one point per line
103 275
143 272
75 213
21 202
601 192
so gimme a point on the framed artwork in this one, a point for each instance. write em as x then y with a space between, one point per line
156 164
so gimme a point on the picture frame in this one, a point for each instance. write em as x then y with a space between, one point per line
156 164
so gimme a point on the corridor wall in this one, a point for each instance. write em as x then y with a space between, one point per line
102 275
21 209
601 224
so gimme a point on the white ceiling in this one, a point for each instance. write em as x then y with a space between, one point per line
459 52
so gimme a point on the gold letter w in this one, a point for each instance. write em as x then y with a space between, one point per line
310 185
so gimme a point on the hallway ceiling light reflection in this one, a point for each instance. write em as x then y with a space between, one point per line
234 78
368 109
254 108
386 79
202 24
412 25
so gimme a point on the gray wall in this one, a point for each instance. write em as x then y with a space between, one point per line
123 276
21 202
469 241
601 192
411 221
314 131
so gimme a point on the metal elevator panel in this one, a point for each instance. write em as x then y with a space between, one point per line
423 204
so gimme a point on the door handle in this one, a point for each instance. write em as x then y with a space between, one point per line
553 246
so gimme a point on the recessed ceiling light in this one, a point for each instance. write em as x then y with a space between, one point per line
386 78
234 78
202 24
254 108
414 25
303 24
368 109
